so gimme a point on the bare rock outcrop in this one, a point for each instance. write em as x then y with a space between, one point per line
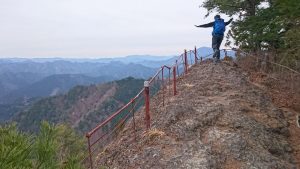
219 119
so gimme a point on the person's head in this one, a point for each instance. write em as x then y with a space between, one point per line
217 17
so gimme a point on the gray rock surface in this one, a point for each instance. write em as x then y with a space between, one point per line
219 119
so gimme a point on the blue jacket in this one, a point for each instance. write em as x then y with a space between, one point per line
212 24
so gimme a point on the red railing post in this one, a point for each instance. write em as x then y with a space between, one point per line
177 67
133 118
90 151
169 81
191 57
162 76
147 104
185 61
196 58
163 86
174 80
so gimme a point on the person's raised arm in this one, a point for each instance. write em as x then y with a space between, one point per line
211 24
227 23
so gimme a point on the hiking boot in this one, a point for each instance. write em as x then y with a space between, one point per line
215 60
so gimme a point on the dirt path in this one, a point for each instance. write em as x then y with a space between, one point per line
219 119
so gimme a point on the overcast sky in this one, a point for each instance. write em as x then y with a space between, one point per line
100 28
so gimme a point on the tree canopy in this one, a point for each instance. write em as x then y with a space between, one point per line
263 25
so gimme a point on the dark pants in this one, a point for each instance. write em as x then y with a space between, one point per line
216 43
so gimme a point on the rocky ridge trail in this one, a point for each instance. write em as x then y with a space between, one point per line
219 119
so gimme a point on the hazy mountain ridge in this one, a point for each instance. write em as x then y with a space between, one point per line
137 59
12 81
126 59
53 85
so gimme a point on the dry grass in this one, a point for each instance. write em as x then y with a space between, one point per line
152 135
188 85
281 83
228 58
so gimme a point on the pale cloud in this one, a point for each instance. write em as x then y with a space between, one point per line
100 28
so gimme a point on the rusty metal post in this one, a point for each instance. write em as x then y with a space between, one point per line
90 151
162 76
133 118
196 58
147 104
174 80
169 81
185 61
191 60
177 67
163 86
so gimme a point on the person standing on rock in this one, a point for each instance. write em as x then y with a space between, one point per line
219 27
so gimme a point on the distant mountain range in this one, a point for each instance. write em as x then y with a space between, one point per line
126 59
146 60
31 79
23 81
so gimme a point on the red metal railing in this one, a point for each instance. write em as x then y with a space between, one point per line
164 81
105 132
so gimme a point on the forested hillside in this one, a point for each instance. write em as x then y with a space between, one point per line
82 107
23 81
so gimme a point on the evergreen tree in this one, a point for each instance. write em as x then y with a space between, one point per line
264 25
15 148
53 147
